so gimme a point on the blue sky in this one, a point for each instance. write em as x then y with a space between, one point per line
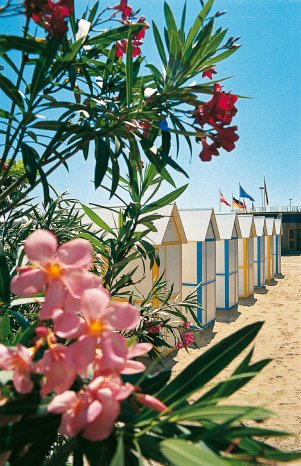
267 68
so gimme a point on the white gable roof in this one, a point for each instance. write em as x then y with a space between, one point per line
171 219
226 223
278 226
247 226
260 225
197 224
270 223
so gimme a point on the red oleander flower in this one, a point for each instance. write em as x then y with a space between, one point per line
208 150
220 108
226 137
124 8
50 15
121 47
209 73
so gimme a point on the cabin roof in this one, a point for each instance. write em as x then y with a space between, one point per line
260 226
270 223
278 226
196 223
226 224
247 226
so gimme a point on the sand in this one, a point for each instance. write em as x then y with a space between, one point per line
278 386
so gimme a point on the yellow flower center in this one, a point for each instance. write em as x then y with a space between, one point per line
96 328
54 271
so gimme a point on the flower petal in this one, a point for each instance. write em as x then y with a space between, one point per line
138 349
78 280
94 304
67 324
76 253
123 316
81 353
40 246
28 283
114 351
54 299
94 409
62 402
133 367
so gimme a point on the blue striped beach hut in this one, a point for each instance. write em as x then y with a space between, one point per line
227 261
199 261
269 249
259 251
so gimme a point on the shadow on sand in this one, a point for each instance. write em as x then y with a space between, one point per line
279 276
250 301
228 316
261 290
205 336
272 282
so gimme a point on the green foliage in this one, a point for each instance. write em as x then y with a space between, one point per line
98 99
195 433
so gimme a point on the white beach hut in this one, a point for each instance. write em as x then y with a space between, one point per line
168 239
259 251
269 249
277 245
227 261
246 255
198 262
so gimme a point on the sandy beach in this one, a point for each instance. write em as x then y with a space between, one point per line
278 386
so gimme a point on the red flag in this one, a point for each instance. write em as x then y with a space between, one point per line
223 200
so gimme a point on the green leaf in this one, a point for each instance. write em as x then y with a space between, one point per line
96 219
5 330
30 162
42 67
180 453
26 405
11 91
165 200
197 24
102 157
13 436
208 365
4 278
8 42
159 44
118 458
60 456
129 70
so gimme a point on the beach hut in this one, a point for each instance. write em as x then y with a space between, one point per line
277 245
198 261
259 251
269 249
246 255
227 261
168 239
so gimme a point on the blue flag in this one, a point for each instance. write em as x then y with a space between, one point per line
244 194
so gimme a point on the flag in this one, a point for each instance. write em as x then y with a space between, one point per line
253 208
244 194
236 204
223 200
265 192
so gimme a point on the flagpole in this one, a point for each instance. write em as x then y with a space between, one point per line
220 204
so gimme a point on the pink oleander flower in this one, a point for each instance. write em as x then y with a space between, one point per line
187 340
19 360
92 412
116 356
153 327
61 272
150 402
186 325
98 319
57 375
